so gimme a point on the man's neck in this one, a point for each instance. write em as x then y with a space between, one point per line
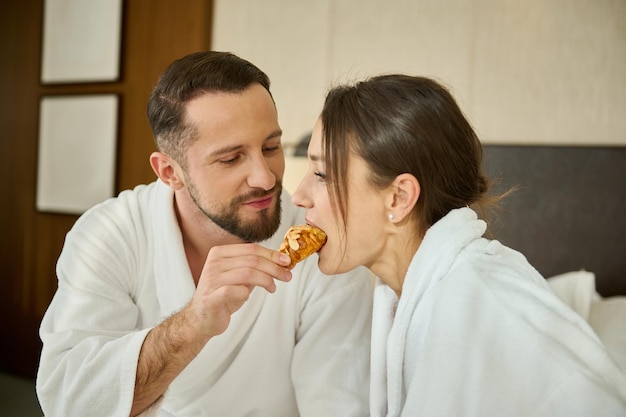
198 232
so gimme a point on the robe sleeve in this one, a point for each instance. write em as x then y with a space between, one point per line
91 339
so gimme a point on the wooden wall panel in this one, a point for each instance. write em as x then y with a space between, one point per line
20 38
155 32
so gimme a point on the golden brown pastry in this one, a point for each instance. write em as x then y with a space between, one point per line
301 242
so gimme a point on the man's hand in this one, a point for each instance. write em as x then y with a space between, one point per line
229 275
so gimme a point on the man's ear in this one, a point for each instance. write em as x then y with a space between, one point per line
167 170
404 193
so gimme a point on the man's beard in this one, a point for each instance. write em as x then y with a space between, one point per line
227 217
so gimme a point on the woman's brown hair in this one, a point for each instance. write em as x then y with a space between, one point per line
404 124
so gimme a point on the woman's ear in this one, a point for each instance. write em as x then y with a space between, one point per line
167 170
405 191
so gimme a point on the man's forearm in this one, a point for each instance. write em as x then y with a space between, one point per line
166 351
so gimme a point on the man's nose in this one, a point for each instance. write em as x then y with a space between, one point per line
261 176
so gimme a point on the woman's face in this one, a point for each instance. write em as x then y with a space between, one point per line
363 240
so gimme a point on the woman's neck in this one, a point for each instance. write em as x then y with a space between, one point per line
393 263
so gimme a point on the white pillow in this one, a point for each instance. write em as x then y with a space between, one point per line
607 318
577 289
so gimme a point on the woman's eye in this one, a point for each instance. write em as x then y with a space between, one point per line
320 175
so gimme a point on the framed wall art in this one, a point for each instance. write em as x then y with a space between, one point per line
77 152
81 41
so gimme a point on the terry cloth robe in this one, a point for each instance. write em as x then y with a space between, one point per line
478 332
303 350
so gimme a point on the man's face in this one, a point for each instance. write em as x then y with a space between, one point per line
235 168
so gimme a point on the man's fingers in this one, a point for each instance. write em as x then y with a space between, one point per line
230 258
229 276
246 277
233 251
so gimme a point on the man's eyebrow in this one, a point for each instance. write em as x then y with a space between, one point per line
274 134
225 150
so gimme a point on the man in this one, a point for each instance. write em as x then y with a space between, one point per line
164 307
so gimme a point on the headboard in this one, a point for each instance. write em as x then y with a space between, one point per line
569 211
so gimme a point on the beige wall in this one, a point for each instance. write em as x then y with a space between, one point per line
533 71
525 72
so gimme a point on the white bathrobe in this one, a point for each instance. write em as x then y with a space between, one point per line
477 332
303 350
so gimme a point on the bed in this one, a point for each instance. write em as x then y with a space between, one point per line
568 217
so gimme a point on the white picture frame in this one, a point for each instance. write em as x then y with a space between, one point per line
81 41
77 152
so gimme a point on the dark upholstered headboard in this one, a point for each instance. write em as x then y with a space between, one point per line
569 211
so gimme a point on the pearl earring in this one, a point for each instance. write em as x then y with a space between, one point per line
390 216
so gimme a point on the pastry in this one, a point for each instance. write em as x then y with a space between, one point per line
301 242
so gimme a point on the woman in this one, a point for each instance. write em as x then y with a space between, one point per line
463 326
